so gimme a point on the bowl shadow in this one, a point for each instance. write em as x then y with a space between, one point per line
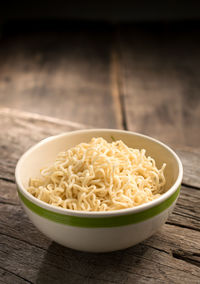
64 265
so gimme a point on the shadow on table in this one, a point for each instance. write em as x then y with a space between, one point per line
63 265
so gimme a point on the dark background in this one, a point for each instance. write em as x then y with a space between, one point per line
110 11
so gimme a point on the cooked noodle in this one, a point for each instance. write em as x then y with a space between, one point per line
99 176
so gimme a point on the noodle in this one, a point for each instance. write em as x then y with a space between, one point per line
99 176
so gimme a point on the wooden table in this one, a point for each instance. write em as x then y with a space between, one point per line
131 78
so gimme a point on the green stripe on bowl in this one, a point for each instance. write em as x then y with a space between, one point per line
99 222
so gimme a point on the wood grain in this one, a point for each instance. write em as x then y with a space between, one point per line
160 74
7 277
22 131
25 129
27 256
60 74
172 249
139 77
186 212
191 170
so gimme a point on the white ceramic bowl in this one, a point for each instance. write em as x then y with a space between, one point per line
98 231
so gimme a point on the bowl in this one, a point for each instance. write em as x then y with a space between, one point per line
98 231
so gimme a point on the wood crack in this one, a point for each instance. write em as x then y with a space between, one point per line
7 179
117 79
187 215
190 186
15 238
9 203
182 226
42 117
141 275
11 272
172 253
187 258
161 250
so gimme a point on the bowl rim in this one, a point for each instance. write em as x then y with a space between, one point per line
96 214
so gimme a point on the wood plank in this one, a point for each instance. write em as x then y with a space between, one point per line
8 192
191 170
169 256
61 74
20 130
160 81
187 210
7 277
158 259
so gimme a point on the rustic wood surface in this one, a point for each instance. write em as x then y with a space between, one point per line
144 78
160 81
139 78
26 256
71 70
